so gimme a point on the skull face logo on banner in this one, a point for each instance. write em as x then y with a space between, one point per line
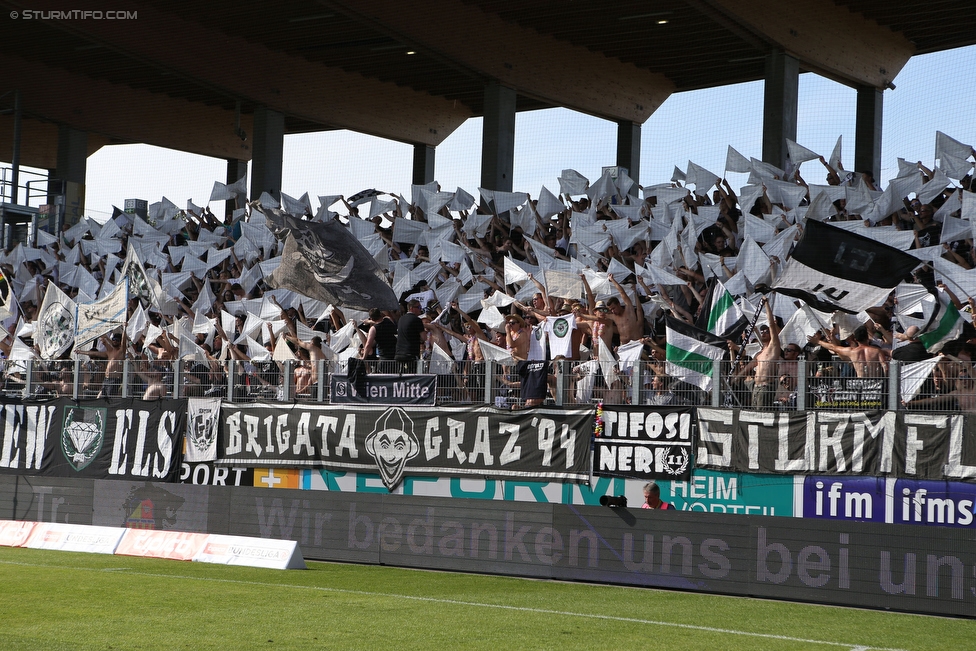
392 443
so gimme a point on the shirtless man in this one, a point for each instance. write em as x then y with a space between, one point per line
517 337
576 310
438 337
533 374
114 354
601 326
787 373
624 316
870 362
314 349
965 393
766 363
154 377
303 374
474 366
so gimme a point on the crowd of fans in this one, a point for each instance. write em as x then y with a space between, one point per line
586 277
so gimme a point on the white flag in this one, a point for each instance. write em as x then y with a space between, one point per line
55 323
572 182
93 320
799 153
736 162
944 145
493 353
835 157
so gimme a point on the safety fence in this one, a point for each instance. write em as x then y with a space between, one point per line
936 385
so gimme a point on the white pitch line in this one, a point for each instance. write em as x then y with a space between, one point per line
475 604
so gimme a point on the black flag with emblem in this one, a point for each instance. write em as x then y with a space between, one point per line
833 269
324 261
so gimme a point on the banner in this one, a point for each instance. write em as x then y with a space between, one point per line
644 443
252 552
201 429
92 320
23 439
892 501
706 490
130 439
849 392
536 444
725 492
208 474
385 390
75 538
897 444
15 533
149 543
326 262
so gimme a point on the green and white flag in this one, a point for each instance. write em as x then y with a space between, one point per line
946 324
691 353
724 318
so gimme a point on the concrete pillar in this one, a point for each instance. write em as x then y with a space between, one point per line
55 188
269 141
72 165
628 150
72 162
498 138
867 131
779 106
235 170
423 164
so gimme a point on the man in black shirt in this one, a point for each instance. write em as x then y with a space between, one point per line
381 341
927 230
410 332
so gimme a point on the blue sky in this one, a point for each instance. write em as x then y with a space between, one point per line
933 92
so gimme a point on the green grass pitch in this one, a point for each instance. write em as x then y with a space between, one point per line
55 600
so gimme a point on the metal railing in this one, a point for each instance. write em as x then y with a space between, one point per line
33 188
946 386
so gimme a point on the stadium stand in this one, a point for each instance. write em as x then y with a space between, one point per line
642 298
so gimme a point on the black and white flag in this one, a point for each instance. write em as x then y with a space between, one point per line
833 269
203 416
326 262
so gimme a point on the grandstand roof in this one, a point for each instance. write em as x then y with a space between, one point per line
174 74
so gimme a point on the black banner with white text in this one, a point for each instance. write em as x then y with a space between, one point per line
537 444
101 439
880 443
645 443
407 389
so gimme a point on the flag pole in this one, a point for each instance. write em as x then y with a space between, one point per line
738 357
752 326
10 292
